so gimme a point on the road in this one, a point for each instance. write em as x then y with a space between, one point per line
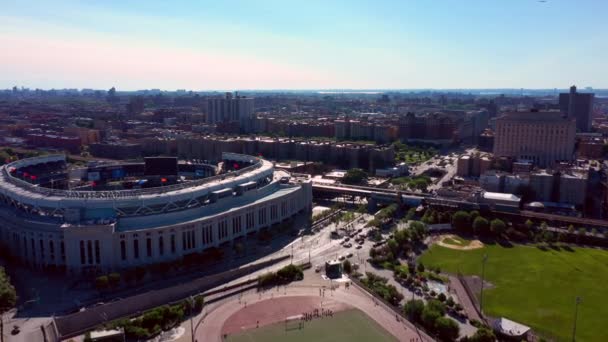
449 162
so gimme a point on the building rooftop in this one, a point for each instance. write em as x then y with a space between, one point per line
545 116
500 196
509 327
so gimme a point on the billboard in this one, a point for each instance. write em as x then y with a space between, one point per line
94 176
160 166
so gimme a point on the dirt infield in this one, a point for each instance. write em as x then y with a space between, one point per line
473 244
276 310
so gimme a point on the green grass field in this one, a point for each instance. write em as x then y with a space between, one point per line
538 288
344 326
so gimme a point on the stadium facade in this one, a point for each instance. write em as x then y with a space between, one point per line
46 222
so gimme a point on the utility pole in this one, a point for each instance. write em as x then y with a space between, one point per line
578 301
483 269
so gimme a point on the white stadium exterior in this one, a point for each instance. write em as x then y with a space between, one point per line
84 230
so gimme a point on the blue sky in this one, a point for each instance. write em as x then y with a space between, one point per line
304 44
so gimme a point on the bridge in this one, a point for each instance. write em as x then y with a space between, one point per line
375 195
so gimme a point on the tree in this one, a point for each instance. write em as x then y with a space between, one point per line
410 214
561 237
199 301
429 316
420 267
461 220
450 302
8 295
413 309
436 305
102 283
402 236
347 267
474 214
374 223
548 237
529 224
481 225
571 229
114 279
543 226
354 176
411 267
8 298
581 232
418 230
483 334
498 227
447 329
362 209
441 297
393 246
373 252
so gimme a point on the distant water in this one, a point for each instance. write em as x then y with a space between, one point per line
350 92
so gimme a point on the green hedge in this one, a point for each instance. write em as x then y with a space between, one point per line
285 275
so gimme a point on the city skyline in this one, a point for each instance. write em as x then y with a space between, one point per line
354 45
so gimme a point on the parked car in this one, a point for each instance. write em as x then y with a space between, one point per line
318 268
349 255
15 330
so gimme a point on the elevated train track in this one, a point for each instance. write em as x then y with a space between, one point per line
390 195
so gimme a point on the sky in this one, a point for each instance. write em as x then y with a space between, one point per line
305 44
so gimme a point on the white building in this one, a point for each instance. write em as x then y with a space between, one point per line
107 230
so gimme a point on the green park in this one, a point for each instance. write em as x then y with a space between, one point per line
537 286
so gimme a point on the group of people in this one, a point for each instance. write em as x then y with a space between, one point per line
317 314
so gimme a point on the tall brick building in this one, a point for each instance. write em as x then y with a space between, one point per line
541 137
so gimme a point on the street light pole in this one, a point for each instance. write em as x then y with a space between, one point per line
309 248
1 325
191 299
483 269
578 301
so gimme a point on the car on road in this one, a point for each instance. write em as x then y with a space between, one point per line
318 268
347 239
341 257
15 330
348 245
358 246
349 255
